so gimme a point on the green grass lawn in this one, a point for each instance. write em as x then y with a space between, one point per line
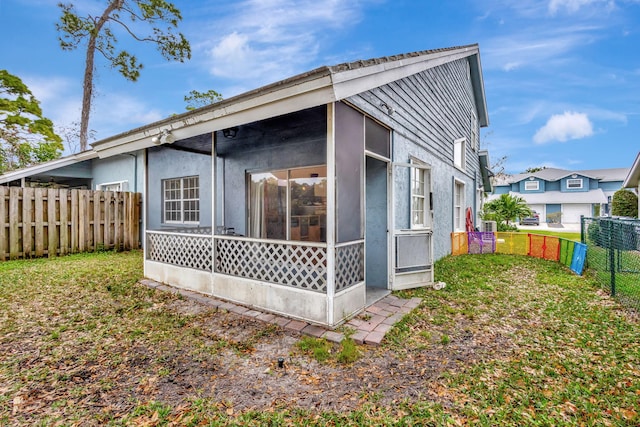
562 234
510 341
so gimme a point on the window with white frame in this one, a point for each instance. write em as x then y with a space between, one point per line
531 185
181 200
458 206
459 153
574 183
420 195
113 186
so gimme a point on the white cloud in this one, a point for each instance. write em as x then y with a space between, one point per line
533 48
511 66
122 109
273 39
47 89
562 127
573 6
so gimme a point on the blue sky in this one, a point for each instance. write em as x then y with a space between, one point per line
562 77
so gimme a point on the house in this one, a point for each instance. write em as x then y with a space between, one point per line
316 195
560 195
632 179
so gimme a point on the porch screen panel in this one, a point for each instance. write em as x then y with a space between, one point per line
378 138
349 147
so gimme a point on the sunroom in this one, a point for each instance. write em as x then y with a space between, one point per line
312 197
273 214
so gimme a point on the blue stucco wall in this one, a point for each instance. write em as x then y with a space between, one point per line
168 163
120 168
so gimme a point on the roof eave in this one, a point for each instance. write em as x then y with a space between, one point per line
47 166
633 178
299 92
485 171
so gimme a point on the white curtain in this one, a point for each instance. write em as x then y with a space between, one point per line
257 228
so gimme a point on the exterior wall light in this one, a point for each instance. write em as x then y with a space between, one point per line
165 137
388 108
230 132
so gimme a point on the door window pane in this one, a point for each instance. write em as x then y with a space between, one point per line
292 201
268 205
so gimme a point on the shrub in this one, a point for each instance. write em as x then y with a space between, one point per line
624 203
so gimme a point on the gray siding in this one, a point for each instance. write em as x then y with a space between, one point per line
431 110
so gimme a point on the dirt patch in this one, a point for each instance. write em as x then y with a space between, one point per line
246 375
232 360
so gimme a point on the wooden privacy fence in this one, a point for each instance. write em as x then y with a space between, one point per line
37 222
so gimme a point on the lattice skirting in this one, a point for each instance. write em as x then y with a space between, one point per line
349 265
192 251
303 267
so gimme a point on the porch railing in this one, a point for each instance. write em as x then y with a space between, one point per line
297 264
184 249
302 265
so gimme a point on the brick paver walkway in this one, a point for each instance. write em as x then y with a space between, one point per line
370 326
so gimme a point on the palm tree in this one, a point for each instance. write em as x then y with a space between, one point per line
507 208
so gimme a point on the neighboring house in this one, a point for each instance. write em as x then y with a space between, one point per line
315 195
83 171
632 179
568 194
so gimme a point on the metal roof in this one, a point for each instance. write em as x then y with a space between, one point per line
320 86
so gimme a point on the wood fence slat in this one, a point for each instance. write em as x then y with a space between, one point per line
14 222
64 221
4 222
28 195
52 226
108 196
83 221
98 243
39 221
136 222
127 224
117 213
75 228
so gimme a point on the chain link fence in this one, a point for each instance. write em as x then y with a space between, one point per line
613 256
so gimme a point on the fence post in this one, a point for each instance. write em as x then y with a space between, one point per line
582 240
612 259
